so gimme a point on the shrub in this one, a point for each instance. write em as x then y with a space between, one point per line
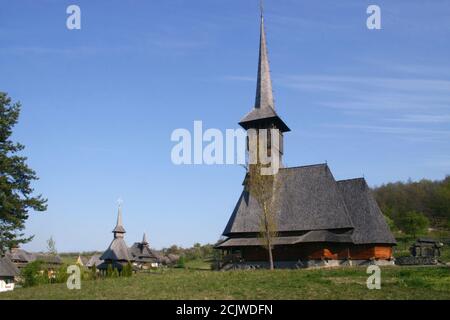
33 274
127 270
181 262
61 275
115 273
94 272
109 271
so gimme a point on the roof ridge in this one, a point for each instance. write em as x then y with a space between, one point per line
305 166
358 178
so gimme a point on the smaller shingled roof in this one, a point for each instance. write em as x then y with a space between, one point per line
94 260
20 255
369 222
142 253
7 268
48 258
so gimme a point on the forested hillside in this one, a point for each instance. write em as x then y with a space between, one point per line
427 198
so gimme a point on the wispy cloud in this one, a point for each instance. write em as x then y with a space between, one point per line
366 93
407 133
422 118
66 51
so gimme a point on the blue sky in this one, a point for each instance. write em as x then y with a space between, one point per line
100 103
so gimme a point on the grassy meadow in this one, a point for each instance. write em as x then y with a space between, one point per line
197 281
341 283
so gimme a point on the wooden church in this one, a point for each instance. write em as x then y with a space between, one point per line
320 221
117 254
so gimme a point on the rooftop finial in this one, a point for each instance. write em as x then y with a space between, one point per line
261 8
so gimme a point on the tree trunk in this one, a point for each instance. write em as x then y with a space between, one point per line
270 258
268 238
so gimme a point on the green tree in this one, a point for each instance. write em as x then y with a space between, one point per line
16 193
33 274
390 223
413 223
181 262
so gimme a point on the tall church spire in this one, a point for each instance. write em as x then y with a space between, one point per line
264 94
263 114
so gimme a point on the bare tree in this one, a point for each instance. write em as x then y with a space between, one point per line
51 246
265 190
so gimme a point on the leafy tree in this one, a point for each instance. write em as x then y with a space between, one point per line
181 262
413 223
174 249
16 193
33 274
390 222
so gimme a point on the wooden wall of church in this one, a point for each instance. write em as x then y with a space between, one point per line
318 251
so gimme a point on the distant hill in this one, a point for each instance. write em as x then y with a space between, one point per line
432 198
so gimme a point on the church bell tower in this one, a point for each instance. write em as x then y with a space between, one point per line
263 115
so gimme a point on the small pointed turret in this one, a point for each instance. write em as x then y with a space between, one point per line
144 239
119 230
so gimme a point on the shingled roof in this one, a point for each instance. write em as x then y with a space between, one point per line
7 268
313 208
368 220
94 260
117 250
141 252
307 237
309 200
20 255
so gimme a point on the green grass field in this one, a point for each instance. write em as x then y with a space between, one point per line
342 283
